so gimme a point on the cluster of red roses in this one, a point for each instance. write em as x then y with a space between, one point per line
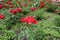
10 4
41 5
2 6
29 20
17 10
20 10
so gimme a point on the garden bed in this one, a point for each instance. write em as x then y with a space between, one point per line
29 20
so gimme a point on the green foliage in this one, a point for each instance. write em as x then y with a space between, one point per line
52 8
57 21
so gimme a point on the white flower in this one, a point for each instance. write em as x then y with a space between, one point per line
35 3
53 0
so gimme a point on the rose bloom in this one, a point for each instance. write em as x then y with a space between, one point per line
29 20
13 11
2 16
1 6
19 9
33 9
25 4
22 19
11 6
18 2
9 2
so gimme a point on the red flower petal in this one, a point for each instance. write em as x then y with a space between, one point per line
25 4
19 10
22 19
13 11
9 2
2 16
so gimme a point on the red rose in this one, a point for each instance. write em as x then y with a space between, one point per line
25 4
19 10
29 20
18 2
1 6
22 19
9 2
42 3
41 6
35 21
2 16
33 9
11 6
13 11
4 6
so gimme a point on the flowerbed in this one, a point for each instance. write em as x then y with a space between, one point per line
29 20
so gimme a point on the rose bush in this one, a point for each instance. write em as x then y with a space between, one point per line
29 20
